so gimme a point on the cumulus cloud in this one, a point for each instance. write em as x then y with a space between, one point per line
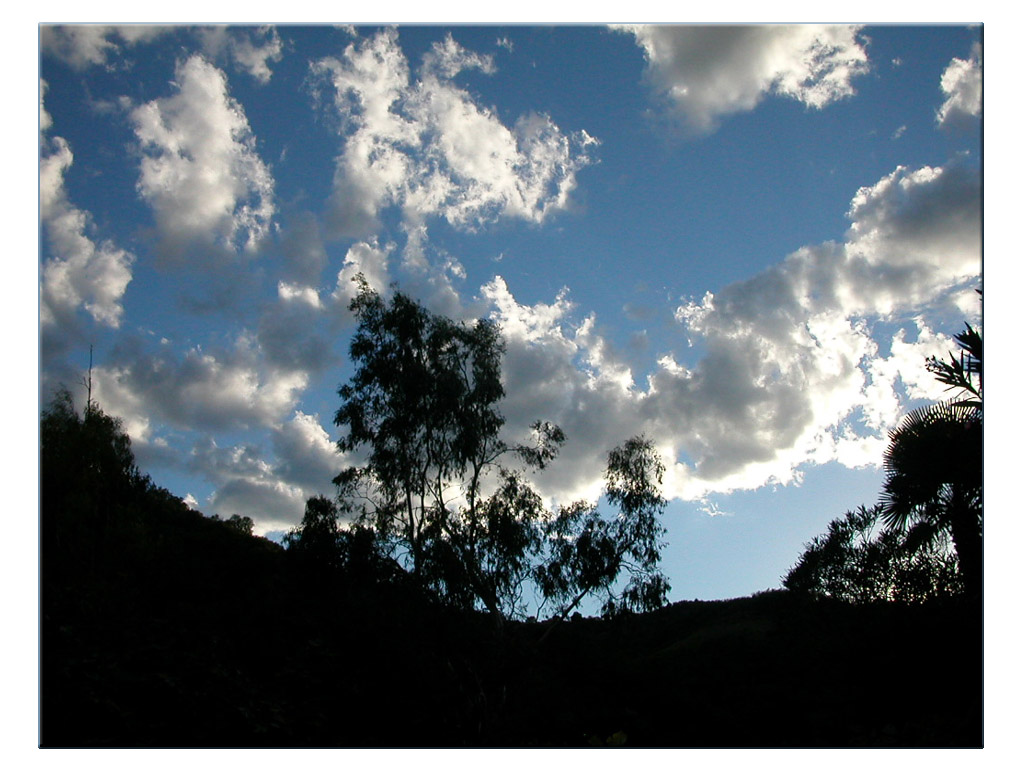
200 171
246 484
79 273
202 390
307 456
425 146
84 45
707 73
796 369
961 85
552 371
791 355
270 485
367 259
250 50
45 121
797 366
291 331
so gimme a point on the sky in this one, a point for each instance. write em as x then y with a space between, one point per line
742 242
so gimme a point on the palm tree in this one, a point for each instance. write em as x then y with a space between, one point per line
933 464
933 468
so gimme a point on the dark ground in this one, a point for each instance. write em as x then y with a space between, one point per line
161 628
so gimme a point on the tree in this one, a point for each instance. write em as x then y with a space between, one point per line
962 370
933 468
423 401
436 484
317 539
931 501
87 468
588 551
933 463
860 560
242 524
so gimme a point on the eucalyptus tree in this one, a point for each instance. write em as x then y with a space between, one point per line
433 475
588 550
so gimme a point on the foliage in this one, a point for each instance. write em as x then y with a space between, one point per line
439 485
88 450
587 552
931 499
156 625
324 544
88 477
859 560
962 370
317 538
933 467
934 464
239 523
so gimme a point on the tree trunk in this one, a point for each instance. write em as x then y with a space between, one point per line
967 541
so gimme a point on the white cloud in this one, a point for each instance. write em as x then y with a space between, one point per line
271 487
425 146
85 45
250 50
792 373
45 121
199 390
554 370
791 356
961 85
302 249
919 231
710 72
79 272
200 171
368 259
307 456
292 331
246 484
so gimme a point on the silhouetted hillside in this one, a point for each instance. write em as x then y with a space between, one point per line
198 636
163 628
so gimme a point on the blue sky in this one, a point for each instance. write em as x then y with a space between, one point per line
742 242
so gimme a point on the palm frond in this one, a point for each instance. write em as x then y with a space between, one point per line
934 448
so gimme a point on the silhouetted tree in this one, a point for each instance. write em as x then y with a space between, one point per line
933 467
932 498
933 463
587 552
963 372
243 525
423 404
860 560
87 469
317 539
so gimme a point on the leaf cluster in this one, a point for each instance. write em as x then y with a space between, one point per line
924 538
449 498
860 560
588 551
963 371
